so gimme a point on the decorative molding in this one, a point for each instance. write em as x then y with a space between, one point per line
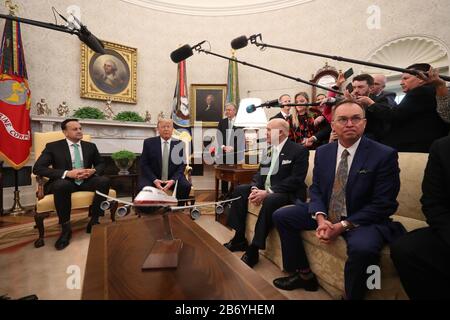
408 50
216 8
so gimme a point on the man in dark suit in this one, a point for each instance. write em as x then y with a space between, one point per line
72 165
278 182
415 123
285 111
353 194
422 257
229 140
163 162
379 94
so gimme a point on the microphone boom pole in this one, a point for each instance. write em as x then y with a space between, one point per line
268 70
337 58
38 24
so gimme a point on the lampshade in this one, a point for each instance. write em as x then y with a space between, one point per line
256 119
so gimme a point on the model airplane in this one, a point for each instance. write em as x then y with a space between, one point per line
153 197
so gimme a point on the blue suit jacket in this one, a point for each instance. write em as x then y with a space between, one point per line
372 186
151 161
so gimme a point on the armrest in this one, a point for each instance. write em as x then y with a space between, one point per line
40 188
188 173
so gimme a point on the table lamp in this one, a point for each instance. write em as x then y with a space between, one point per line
252 123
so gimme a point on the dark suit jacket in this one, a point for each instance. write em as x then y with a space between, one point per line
279 115
57 155
151 161
238 142
436 189
292 169
387 97
372 186
415 123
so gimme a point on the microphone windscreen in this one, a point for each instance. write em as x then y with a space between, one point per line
181 53
91 41
251 108
240 42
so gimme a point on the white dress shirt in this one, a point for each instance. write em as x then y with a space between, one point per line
162 146
72 154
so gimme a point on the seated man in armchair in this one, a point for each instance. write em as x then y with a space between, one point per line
277 183
162 162
72 165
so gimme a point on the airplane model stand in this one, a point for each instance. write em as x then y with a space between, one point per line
165 252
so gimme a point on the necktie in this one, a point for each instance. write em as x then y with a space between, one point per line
337 202
78 164
273 165
230 126
165 162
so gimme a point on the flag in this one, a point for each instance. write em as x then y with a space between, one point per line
15 129
180 103
233 81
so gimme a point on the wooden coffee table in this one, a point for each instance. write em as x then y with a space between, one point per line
206 269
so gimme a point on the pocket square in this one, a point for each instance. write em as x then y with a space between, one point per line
286 162
364 171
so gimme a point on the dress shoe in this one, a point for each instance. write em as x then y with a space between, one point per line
236 246
64 239
251 257
295 281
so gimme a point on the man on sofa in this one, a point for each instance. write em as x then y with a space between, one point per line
353 194
276 184
422 257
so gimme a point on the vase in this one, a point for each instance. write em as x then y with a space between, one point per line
124 165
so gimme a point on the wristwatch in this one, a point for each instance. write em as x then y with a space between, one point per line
347 225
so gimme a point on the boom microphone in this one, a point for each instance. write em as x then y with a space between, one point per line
242 41
271 103
184 52
88 38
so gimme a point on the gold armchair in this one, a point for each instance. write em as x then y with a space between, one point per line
45 203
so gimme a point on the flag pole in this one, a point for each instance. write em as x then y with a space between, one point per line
1 187
17 207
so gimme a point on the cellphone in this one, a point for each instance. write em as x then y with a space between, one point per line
349 88
348 73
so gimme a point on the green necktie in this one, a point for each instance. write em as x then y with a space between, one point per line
273 165
78 163
165 162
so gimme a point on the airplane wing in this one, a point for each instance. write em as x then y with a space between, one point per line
114 199
203 204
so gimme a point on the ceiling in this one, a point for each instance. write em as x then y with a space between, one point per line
216 7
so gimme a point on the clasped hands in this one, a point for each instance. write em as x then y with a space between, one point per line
163 185
257 196
80 174
327 232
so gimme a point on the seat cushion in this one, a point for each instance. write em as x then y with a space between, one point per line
80 199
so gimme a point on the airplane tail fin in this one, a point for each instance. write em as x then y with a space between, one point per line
174 194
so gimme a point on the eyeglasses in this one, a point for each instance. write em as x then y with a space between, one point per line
344 120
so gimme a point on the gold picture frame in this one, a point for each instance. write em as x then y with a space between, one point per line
207 104
109 76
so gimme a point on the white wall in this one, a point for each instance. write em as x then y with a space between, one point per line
327 26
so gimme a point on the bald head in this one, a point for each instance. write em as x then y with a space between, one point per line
277 131
379 83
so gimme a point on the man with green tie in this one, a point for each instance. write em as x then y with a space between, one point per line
163 162
280 181
72 165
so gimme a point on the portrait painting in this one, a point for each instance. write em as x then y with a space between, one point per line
207 103
111 75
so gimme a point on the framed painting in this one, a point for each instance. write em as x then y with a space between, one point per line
207 104
111 75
